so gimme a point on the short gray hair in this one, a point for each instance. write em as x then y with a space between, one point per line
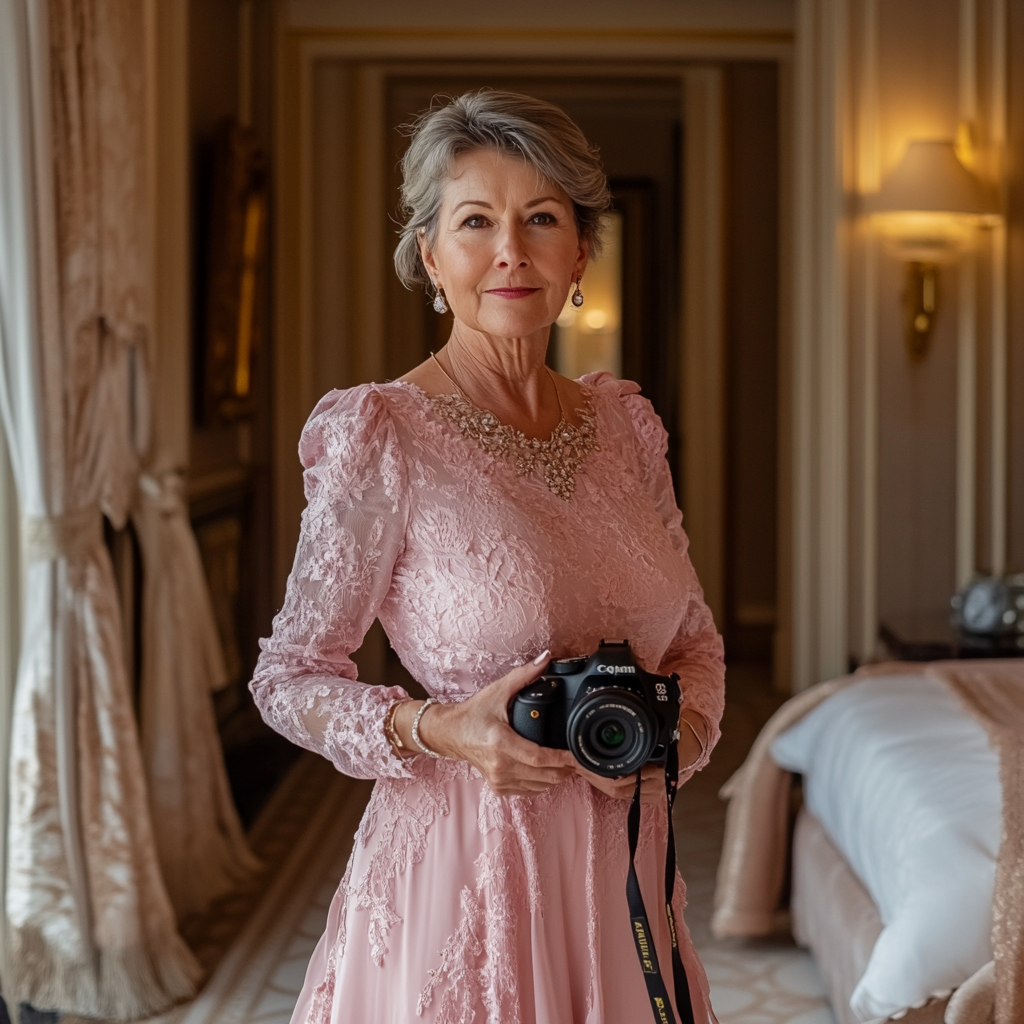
534 131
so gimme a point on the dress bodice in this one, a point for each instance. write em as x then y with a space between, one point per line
495 567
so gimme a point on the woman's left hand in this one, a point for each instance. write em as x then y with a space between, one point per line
652 785
652 788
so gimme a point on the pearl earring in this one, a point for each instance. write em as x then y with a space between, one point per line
577 295
440 306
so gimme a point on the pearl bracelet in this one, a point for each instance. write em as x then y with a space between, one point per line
416 728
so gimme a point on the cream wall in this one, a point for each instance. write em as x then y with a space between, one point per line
1015 290
928 461
899 472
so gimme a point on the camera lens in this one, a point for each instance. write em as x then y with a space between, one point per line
611 732
611 735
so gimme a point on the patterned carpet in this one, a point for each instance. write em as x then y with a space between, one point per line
258 964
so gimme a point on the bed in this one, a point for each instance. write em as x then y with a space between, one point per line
907 857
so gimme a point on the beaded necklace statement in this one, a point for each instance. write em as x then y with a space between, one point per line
560 457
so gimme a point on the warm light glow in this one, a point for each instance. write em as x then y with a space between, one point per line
925 237
929 203
590 338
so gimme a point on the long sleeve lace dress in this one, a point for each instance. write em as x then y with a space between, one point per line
458 906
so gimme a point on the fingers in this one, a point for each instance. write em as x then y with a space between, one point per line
508 778
514 783
512 682
528 753
652 788
508 762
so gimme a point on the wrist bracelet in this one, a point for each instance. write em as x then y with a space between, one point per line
416 728
702 743
389 726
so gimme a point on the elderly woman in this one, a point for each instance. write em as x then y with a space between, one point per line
493 515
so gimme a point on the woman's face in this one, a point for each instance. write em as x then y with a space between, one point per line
507 249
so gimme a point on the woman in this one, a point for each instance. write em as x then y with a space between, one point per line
493 515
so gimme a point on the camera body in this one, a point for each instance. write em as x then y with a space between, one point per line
612 715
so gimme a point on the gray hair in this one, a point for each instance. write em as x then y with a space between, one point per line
534 131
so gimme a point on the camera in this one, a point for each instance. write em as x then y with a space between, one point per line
612 715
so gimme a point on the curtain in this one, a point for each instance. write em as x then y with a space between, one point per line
90 926
10 631
203 851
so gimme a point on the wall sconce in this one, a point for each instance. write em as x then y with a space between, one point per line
926 210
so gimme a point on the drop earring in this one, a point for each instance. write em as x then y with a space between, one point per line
440 306
577 295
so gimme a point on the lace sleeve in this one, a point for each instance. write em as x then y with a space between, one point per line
696 651
353 530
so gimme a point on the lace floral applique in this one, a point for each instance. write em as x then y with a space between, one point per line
399 818
477 965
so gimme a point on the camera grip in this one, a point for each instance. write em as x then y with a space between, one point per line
536 712
529 721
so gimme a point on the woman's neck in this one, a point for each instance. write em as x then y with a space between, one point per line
507 374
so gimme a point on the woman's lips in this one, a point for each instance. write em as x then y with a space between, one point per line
512 293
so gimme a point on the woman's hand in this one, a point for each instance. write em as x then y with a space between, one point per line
652 785
477 730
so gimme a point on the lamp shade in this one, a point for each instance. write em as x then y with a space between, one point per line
930 179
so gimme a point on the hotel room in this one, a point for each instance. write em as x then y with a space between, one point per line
811 263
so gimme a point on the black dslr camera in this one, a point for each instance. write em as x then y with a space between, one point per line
606 709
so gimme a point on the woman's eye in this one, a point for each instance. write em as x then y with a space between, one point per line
476 221
542 218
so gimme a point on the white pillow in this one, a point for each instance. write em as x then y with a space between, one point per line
907 787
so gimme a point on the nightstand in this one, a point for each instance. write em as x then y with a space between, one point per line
930 636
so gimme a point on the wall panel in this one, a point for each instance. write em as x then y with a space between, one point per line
1015 235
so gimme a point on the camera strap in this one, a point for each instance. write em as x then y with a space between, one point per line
642 935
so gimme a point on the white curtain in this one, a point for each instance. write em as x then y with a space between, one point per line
203 852
10 632
90 927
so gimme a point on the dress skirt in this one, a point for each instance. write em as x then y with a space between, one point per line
487 930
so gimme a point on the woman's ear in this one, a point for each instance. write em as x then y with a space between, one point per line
428 257
582 258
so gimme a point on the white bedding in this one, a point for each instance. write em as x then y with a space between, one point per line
907 787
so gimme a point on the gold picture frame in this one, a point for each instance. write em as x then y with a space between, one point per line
236 274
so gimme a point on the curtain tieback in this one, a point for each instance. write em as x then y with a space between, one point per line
71 535
166 491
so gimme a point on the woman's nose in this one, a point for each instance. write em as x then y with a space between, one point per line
511 251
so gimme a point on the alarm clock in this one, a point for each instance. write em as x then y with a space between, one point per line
990 606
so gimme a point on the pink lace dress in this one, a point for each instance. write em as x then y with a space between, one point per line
458 906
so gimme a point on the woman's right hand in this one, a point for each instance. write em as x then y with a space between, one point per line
477 730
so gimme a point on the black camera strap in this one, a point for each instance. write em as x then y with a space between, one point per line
642 935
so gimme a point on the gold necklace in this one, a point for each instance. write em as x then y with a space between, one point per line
560 456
